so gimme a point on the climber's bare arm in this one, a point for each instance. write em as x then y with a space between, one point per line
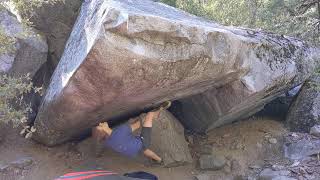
136 125
151 155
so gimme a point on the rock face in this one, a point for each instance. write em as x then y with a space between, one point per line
55 20
123 56
305 110
168 141
27 49
301 148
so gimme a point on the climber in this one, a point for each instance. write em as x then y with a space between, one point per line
122 140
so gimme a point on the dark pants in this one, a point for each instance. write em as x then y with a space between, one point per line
146 137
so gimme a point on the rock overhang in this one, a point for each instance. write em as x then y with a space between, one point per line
125 55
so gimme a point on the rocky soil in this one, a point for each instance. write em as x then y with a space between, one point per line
250 149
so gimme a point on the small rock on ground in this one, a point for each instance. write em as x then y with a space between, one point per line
269 174
243 177
273 141
302 148
277 167
214 177
15 167
4 167
235 165
203 177
22 163
315 130
212 162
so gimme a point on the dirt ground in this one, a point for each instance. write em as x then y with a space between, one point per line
244 144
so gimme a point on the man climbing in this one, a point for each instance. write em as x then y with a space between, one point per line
122 140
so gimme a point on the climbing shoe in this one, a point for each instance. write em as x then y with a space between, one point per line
163 106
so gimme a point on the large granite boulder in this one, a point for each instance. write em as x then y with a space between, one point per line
123 56
26 50
54 18
168 140
304 112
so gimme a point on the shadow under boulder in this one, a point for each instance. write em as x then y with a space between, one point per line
279 107
232 102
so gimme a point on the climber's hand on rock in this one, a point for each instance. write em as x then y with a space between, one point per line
104 125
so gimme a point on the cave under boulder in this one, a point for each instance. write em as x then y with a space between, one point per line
279 107
124 56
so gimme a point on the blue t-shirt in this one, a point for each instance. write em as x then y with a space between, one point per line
123 141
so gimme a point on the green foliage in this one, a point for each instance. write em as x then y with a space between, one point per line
25 7
12 107
12 89
218 10
169 2
11 93
6 42
299 18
